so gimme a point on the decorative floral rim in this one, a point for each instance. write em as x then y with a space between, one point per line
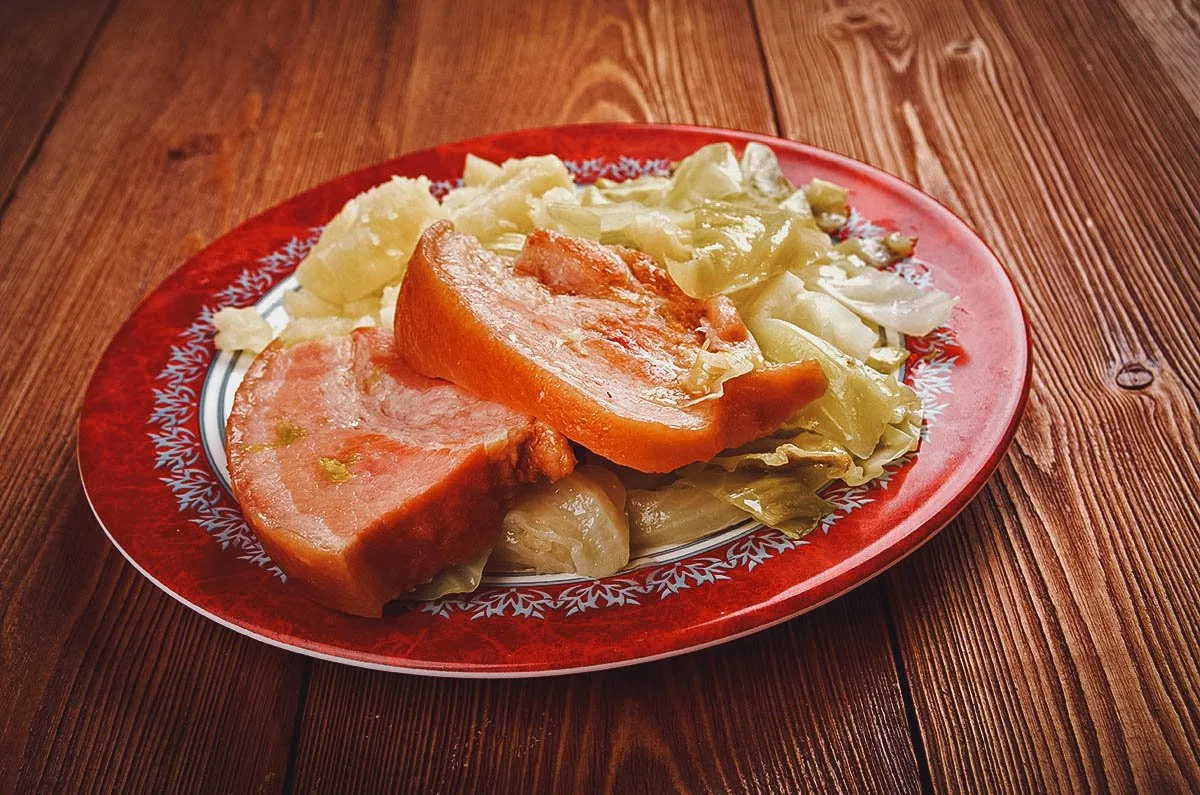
202 499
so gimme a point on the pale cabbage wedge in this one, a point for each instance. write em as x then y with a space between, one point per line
463 578
368 243
241 329
677 513
505 201
574 525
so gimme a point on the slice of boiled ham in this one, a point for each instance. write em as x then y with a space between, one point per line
364 479
595 340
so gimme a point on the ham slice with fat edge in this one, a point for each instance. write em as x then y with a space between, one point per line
364 479
597 341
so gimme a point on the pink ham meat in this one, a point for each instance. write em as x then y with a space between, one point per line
597 341
363 479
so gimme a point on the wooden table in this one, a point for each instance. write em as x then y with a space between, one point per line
1045 641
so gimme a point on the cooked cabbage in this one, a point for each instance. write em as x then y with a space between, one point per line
241 329
302 303
720 225
463 578
786 501
387 305
504 203
662 233
574 525
874 417
558 209
762 178
708 374
735 246
478 172
710 173
677 513
883 297
887 359
777 479
368 243
805 448
830 204
649 191
786 298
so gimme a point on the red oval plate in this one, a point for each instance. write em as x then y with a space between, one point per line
151 467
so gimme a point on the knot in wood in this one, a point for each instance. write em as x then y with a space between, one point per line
1134 376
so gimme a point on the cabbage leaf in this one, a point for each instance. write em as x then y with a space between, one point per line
874 417
786 298
735 247
882 297
575 525
463 578
677 513
786 501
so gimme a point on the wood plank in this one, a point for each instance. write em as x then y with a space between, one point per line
121 688
511 66
1050 634
801 707
1172 29
171 138
42 43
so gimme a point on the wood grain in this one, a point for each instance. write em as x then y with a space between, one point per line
1050 634
42 43
771 713
1172 29
170 138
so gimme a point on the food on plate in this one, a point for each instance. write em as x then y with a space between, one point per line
575 525
675 513
597 342
720 344
366 245
241 330
363 479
